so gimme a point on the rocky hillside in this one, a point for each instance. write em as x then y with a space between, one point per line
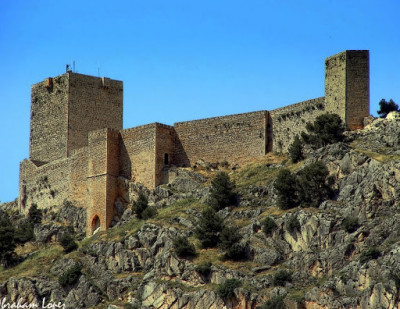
343 254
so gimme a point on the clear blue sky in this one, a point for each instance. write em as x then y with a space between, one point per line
184 60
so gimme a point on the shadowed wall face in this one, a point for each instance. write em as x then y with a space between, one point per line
347 86
137 156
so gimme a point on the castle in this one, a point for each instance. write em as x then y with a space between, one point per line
79 151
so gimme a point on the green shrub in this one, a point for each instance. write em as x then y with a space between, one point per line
281 277
387 107
309 187
350 224
326 129
370 254
293 224
222 191
286 188
67 241
229 236
275 302
24 233
204 269
7 242
296 150
236 252
35 215
140 205
226 290
71 276
224 163
268 226
314 185
209 228
349 249
396 278
148 213
183 247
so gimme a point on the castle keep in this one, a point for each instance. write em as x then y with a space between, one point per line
80 152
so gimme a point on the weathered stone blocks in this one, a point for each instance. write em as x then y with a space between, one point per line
78 149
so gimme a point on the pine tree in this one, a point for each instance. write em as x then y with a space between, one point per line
296 150
386 107
140 205
326 129
209 228
286 188
222 191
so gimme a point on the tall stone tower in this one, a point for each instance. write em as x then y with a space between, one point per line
66 108
347 86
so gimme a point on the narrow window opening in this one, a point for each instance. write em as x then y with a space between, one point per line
166 159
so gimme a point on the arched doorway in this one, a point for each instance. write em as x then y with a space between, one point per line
95 225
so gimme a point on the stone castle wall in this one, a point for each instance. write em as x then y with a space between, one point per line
291 120
357 85
66 108
137 154
103 170
165 152
53 183
79 152
235 138
93 103
49 122
77 178
347 86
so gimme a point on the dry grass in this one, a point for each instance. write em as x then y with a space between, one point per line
120 232
37 264
261 171
381 154
381 157
177 209
207 255
29 247
213 255
274 212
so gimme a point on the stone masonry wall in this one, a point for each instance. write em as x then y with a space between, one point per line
53 183
48 129
291 120
164 152
137 154
78 149
46 185
78 173
347 86
103 168
335 85
236 138
357 93
94 103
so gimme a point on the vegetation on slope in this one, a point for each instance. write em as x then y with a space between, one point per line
302 241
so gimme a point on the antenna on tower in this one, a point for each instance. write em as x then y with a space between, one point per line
73 66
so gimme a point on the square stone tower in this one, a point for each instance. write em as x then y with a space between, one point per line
347 86
66 108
